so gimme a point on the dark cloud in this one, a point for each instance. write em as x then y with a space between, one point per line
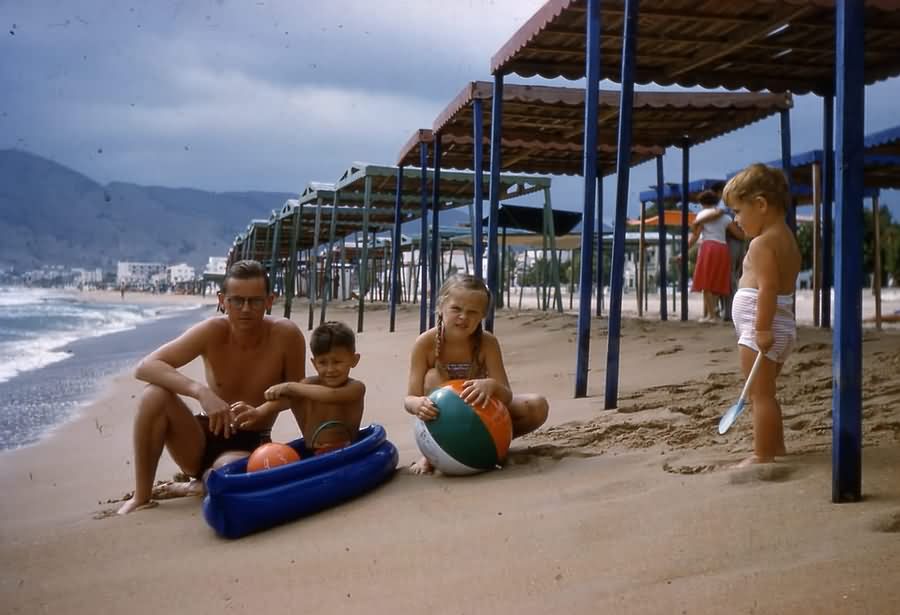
270 95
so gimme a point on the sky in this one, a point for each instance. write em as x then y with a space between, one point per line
227 95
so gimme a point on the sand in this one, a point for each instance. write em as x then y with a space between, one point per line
633 510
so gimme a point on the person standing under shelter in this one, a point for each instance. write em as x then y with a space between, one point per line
244 353
737 247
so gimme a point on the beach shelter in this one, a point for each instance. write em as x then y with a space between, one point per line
541 130
548 224
766 44
371 186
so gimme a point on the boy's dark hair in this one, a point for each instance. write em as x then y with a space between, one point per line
331 335
708 197
246 270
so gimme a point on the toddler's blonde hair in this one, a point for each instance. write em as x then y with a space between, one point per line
758 180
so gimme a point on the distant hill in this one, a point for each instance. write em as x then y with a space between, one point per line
50 214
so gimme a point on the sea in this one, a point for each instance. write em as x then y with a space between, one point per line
57 349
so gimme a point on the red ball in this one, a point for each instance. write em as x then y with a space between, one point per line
271 455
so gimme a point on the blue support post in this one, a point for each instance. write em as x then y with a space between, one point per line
396 250
496 136
313 264
478 157
623 166
846 448
827 201
599 243
363 259
273 260
589 170
786 166
436 260
423 239
291 288
663 267
685 201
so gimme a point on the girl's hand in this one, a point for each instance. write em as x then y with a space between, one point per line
477 392
764 340
426 410
276 391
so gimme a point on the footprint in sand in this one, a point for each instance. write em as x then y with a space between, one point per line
812 347
889 523
700 468
546 451
669 350
798 425
763 472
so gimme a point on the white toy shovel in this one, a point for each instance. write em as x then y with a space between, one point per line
734 411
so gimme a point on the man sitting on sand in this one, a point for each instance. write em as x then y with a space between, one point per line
244 353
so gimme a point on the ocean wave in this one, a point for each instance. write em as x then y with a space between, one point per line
36 325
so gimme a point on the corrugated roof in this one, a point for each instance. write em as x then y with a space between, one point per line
778 45
543 127
457 187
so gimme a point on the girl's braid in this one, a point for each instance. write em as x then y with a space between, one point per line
439 339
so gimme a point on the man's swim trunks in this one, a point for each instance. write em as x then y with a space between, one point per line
784 327
218 444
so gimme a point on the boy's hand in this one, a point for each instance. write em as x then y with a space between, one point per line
276 391
426 410
246 416
477 392
764 340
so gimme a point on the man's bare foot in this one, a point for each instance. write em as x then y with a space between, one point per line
754 460
422 466
133 505
167 491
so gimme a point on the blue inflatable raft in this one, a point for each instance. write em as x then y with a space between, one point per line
238 503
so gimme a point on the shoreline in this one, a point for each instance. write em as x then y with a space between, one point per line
40 401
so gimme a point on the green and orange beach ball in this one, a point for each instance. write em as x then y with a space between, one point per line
464 438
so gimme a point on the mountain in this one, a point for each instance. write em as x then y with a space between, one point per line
50 214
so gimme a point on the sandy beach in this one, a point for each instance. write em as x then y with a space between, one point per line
633 510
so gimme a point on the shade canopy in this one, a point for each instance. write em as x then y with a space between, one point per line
778 45
457 187
532 219
543 126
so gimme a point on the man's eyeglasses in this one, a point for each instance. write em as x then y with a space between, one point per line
237 302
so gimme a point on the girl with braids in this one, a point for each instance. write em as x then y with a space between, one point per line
458 348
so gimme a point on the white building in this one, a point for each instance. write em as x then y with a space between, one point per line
216 264
88 277
137 273
181 272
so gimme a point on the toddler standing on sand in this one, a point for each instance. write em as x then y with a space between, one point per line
763 305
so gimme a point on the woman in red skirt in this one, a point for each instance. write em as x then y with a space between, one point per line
712 274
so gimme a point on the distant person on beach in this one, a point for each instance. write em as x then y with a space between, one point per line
244 352
712 273
122 291
458 348
736 249
329 406
763 305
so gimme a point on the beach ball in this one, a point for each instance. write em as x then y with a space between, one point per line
464 439
271 455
